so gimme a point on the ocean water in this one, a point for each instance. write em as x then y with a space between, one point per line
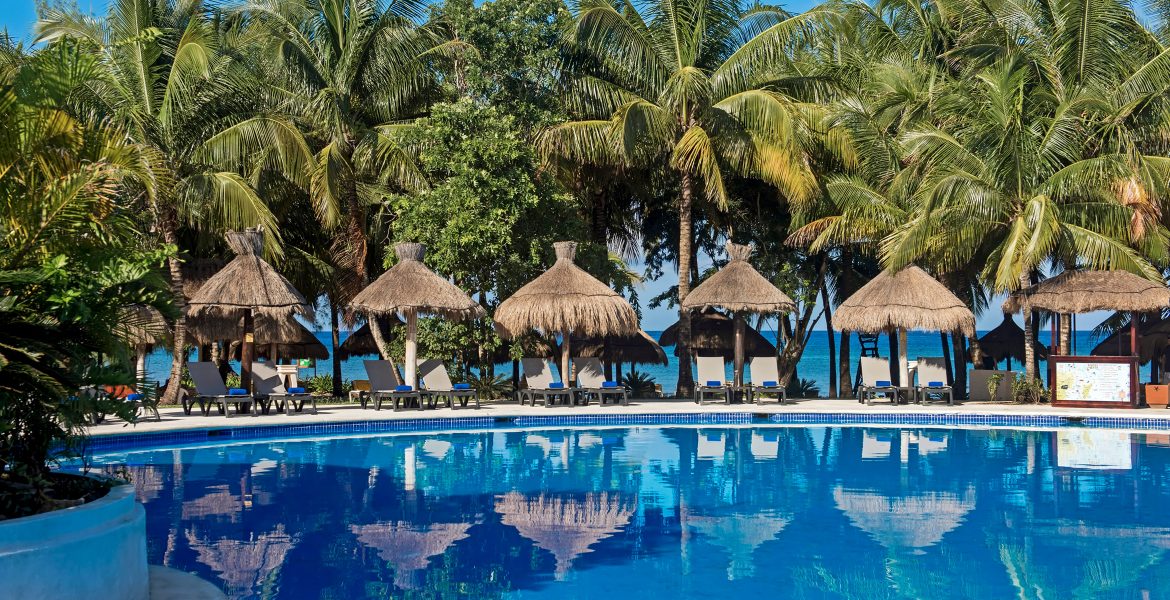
701 512
814 364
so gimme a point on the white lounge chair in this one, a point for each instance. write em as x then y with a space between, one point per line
437 384
268 388
385 384
932 380
712 379
875 380
591 381
210 391
538 375
766 379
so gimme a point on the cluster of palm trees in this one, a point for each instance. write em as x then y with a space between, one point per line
990 143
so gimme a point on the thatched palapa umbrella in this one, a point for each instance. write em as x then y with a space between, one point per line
567 300
713 333
275 338
243 289
142 327
1006 341
637 349
739 288
410 288
361 342
897 302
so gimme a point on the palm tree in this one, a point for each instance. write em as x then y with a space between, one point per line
697 86
352 76
163 75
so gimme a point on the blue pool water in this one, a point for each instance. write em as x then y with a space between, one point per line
671 512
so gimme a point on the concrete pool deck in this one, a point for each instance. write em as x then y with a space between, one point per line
173 418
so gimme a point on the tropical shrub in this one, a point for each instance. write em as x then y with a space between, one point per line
491 387
640 384
802 388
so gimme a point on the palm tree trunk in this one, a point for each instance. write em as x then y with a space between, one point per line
686 383
335 343
958 340
832 340
895 369
179 335
845 386
946 350
380 341
1029 336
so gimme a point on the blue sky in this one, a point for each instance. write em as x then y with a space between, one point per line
18 17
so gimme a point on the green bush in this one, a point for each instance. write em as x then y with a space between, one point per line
640 384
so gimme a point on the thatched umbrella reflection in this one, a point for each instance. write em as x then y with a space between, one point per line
713 334
564 525
409 546
897 302
244 564
739 288
567 300
141 327
740 535
245 288
410 288
913 521
1006 342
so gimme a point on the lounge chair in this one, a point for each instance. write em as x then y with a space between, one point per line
269 389
437 384
591 382
384 384
210 391
875 380
360 391
712 379
766 379
932 380
538 375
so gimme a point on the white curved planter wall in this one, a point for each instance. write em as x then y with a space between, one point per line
97 550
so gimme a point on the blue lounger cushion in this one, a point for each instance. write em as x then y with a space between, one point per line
461 386
609 384
296 390
403 388
134 397
771 384
935 384
883 383
237 392
556 386
713 383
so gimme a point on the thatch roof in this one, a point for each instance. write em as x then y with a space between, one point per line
566 299
740 535
196 272
640 349
1007 339
906 522
532 345
1086 291
243 564
713 334
739 287
293 339
565 526
908 299
247 282
361 341
410 287
1153 338
141 326
408 546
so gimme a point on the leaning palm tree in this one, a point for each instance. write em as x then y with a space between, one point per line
163 75
351 74
697 86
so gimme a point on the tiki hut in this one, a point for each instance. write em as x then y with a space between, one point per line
361 341
1006 342
141 327
739 288
897 302
567 300
1153 339
410 288
713 334
275 338
1075 292
910 522
637 349
407 546
565 526
244 289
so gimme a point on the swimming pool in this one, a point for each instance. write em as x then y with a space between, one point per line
682 512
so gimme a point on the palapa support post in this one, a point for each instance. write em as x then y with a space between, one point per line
1133 334
566 349
903 360
411 359
739 358
247 350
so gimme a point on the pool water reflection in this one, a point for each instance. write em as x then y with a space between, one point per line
682 512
